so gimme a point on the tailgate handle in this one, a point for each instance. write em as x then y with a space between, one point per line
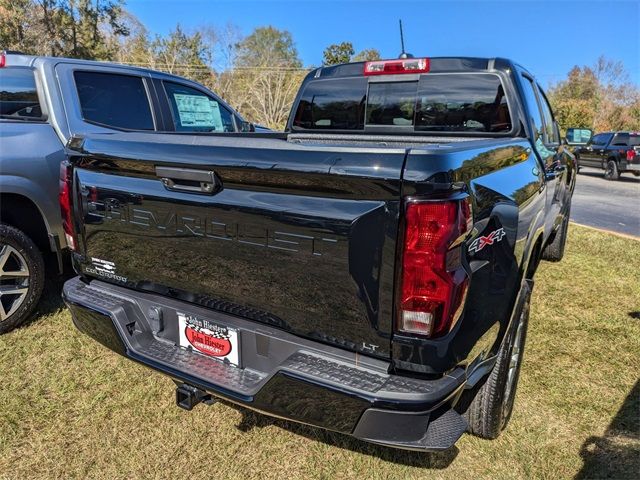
188 180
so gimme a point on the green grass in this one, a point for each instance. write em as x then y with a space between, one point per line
70 408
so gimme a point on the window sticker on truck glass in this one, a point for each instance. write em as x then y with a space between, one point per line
208 338
198 111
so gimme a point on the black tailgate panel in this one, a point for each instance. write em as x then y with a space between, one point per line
298 237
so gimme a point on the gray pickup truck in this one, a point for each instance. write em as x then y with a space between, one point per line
44 101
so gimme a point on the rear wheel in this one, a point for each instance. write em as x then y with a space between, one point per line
490 410
21 277
611 171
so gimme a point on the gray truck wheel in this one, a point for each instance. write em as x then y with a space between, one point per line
489 411
21 277
611 171
554 251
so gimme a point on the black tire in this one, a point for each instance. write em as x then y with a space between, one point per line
611 171
554 251
21 267
489 406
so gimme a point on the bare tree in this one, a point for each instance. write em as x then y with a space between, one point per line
271 93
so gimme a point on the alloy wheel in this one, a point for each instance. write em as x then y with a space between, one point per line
609 172
14 280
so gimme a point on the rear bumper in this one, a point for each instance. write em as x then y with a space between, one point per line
282 375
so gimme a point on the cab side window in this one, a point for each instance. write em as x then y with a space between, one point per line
534 109
600 140
552 136
18 95
114 100
538 123
620 140
194 111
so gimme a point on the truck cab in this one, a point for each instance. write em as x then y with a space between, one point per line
44 102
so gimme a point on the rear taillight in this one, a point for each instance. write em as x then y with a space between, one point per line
3 59
630 155
65 203
390 67
431 291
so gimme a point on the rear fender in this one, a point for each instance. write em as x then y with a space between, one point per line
507 191
30 192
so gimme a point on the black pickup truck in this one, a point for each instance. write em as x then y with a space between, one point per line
613 152
367 271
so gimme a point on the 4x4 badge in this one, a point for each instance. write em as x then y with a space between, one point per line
481 242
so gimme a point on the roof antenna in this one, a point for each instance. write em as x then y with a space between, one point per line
403 54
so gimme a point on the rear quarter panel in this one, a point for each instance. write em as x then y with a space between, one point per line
30 156
506 187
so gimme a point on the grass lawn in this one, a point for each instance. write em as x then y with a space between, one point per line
70 408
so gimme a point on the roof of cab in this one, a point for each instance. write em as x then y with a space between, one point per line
16 59
437 64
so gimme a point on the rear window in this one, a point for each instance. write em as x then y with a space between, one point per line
392 103
634 140
18 94
114 100
332 105
437 102
462 102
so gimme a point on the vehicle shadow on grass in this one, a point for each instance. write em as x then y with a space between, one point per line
616 454
434 460
51 300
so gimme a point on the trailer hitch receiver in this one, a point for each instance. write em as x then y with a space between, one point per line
188 397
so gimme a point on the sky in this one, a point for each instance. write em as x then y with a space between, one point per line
547 37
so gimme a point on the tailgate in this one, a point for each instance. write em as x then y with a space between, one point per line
298 237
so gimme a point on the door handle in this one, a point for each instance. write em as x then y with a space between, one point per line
188 180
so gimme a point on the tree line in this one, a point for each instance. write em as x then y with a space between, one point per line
259 74
599 96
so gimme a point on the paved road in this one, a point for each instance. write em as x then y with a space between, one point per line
606 204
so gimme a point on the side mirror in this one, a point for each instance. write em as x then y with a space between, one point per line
247 126
578 136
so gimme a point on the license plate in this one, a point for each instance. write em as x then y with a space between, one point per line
209 338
